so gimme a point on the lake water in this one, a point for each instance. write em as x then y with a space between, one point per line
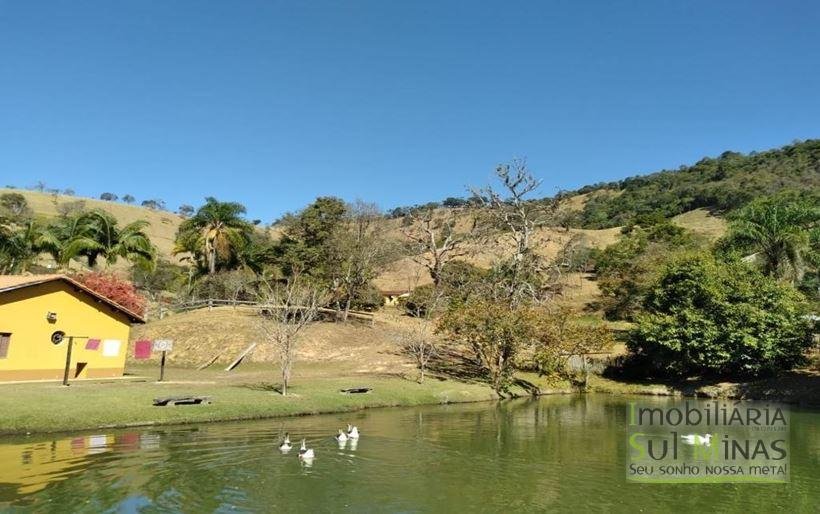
560 453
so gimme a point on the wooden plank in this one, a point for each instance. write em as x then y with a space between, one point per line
208 363
238 360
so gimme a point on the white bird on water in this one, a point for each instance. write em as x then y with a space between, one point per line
341 436
305 453
695 439
352 432
285 446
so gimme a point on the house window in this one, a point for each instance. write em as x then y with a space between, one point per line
4 345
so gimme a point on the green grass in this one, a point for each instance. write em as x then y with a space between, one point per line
49 407
250 393
598 384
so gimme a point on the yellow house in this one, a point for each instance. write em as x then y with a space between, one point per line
33 307
30 467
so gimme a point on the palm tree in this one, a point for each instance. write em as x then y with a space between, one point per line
95 234
216 234
778 230
22 243
10 250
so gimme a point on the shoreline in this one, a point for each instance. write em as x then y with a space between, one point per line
306 401
794 388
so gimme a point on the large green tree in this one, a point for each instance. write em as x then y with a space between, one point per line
215 235
309 244
495 332
626 269
704 316
338 245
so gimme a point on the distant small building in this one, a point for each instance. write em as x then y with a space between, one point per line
33 307
393 296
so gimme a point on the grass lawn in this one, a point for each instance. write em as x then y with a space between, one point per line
250 393
246 394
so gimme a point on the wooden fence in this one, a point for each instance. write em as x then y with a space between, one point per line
214 302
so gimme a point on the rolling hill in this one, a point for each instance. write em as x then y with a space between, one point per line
163 226
719 184
693 196
405 273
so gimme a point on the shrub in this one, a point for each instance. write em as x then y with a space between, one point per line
708 317
367 299
121 292
164 277
563 336
460 280
234 285
419 301
14 205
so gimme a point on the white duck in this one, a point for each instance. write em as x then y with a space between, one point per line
305 453
352 432
285 446
341 436
695 439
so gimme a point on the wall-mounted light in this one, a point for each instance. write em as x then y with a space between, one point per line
51 317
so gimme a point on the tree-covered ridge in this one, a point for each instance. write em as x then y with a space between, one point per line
723 183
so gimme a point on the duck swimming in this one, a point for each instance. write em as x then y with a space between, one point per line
352 432
341 436
285 446
695 439
305 452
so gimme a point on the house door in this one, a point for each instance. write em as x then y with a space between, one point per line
81 370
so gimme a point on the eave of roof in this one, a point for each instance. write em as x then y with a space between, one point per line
14 282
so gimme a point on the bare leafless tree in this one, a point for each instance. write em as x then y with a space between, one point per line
419 341
512 209
435 241
286 309
566 261
516 214
364 251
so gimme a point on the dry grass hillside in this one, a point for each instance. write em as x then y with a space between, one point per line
225 332
702 222
407 273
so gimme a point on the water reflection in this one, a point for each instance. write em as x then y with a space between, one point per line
28 467
564 453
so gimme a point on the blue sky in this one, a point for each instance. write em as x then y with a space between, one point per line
399 102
